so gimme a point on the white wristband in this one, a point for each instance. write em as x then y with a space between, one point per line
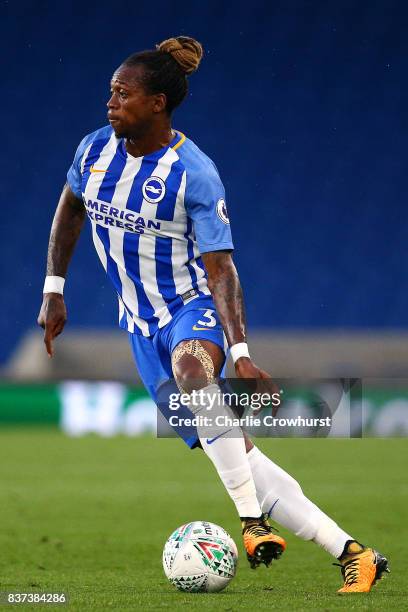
239 350
54 284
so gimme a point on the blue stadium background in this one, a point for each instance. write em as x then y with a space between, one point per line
302 105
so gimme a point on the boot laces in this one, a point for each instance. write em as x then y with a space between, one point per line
258 528
350 571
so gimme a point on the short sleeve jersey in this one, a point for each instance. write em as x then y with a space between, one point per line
152 217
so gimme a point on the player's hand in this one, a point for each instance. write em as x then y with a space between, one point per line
52 318
246 368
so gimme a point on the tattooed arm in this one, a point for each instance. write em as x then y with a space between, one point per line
226 291
66 227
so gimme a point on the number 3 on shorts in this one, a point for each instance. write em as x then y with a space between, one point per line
210 322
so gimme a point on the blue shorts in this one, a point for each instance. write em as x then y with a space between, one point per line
197 319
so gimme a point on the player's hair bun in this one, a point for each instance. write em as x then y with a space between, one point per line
185 50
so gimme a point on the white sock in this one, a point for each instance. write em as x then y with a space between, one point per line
227 452
282 498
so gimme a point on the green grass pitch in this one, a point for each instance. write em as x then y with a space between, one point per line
90 516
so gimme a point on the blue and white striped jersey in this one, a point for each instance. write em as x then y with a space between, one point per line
151 218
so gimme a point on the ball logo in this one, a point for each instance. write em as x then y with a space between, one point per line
153 189
222 211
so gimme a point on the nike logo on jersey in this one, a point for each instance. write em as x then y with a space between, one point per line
216 437
195 328
92 169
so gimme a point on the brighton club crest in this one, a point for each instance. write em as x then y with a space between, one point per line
153 189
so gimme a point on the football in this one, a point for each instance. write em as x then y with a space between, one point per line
200 557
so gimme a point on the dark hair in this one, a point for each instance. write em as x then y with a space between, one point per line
166 68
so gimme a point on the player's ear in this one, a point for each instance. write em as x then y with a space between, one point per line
159 102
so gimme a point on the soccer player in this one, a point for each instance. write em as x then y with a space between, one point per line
160 227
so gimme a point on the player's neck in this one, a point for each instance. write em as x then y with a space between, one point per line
153 139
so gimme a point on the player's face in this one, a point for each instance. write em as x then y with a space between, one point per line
130 109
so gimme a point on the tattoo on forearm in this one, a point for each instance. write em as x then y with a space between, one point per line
66 227
226 290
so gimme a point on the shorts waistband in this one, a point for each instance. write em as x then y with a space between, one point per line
189 294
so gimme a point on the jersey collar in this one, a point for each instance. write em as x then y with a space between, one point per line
174 144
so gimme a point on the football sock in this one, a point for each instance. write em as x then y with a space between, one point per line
282 498
225 446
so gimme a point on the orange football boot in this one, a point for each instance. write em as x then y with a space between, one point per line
261 544
361 567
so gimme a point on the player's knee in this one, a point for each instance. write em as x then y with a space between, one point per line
189 374
192 366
